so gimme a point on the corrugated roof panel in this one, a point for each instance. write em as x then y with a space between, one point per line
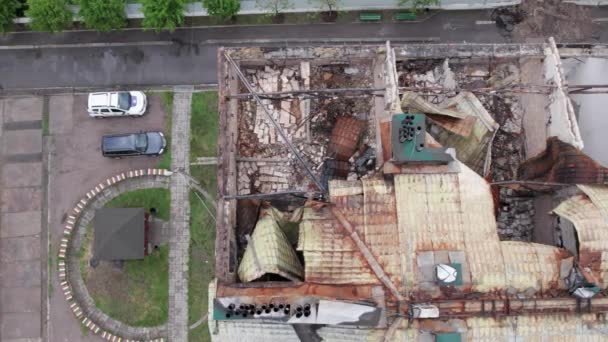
598 195
330 255
379 231
591 228
531 265
450 212
269 251
482 245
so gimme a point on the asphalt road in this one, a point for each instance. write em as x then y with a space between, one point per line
188 56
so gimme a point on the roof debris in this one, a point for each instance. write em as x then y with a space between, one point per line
386 226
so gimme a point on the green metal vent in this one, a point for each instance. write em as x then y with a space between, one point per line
407 138
448 337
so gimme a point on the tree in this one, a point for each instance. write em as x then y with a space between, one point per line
8 11
103 15
274 7
163 14
223 9
417 5
326 5
49 15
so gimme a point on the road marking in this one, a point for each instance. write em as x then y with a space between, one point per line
600 20
319 40
85 45
27 92
485 22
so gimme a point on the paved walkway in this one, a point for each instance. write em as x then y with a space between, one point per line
22 239
179 239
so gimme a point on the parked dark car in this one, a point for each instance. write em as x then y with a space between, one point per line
133 144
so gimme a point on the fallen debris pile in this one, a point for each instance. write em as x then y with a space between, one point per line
327 129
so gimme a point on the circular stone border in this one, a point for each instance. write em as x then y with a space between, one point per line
70 279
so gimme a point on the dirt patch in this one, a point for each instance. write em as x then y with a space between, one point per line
565 22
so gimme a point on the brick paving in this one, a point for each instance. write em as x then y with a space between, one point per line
22 256
179 238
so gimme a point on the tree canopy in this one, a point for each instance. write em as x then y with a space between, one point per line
224 9
163 14
49 15
103 15
8 11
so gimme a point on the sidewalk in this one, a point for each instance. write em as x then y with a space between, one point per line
179 239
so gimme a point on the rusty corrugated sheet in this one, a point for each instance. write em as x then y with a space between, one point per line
471 138
462 123
269 251
563 163
345 137
598 195
422 212
451 212
592 231
532 265
379 231
330 257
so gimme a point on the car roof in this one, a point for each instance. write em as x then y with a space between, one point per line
103 99
118 142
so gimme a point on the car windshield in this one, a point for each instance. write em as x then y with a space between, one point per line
141 142
124 100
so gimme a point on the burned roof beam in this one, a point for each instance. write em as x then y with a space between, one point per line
267 195
277 127
316 92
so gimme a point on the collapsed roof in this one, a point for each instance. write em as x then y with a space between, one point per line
309 130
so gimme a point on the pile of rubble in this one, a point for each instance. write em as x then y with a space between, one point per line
441 80
290 114
266 164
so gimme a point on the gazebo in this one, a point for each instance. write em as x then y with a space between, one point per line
120 234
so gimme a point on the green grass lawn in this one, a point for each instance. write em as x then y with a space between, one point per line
165 159
144 297
158 198
203 143
203 125
137 295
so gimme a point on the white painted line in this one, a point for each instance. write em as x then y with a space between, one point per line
85 45
600 20
485 22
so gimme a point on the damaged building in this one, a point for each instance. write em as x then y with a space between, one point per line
392 193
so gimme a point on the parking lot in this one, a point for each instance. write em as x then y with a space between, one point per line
75 166
68 152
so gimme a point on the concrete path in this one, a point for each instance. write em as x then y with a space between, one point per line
22 240
179 238
189 55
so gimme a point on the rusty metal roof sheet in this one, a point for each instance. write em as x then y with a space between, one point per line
330 257
589 219
269 251
563 163
345 137
446 213
586 327
450 212
532 265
